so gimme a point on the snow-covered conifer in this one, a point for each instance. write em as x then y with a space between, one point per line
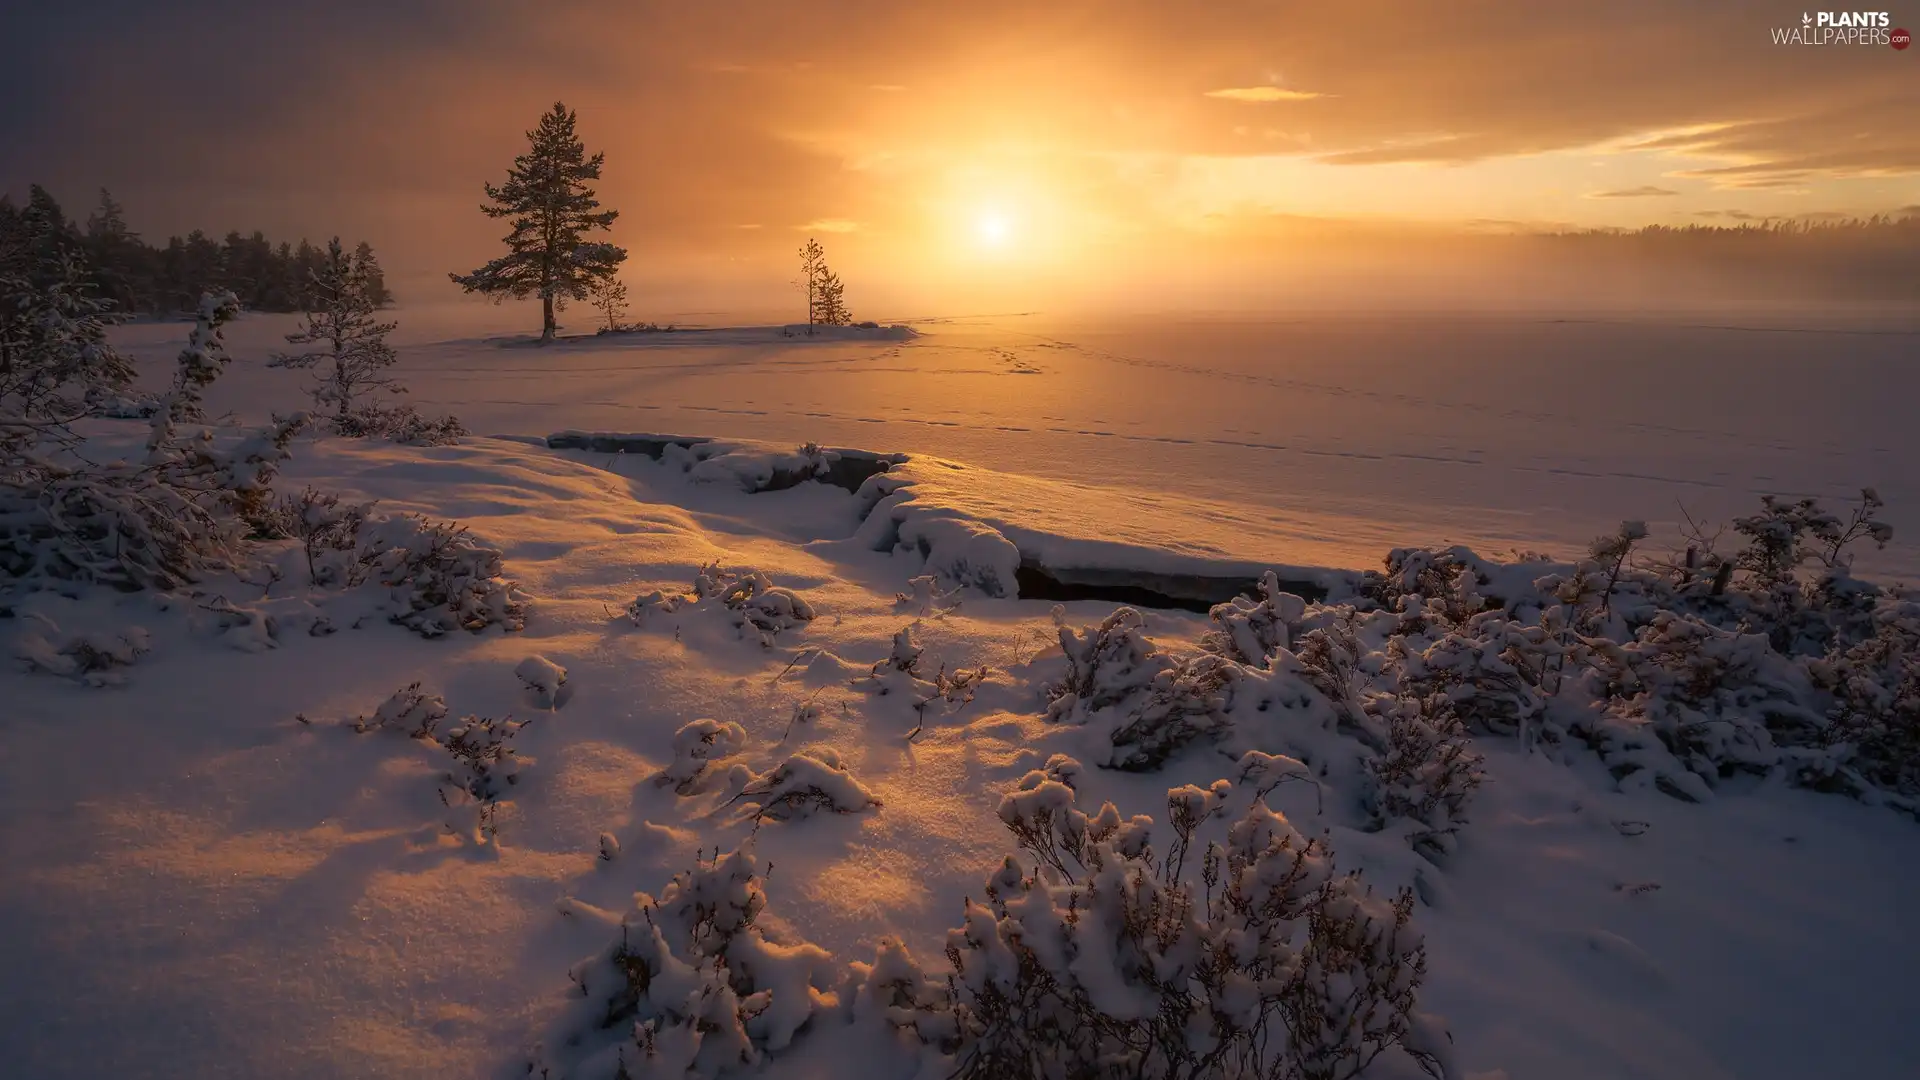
349 354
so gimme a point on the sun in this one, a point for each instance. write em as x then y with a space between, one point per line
992 229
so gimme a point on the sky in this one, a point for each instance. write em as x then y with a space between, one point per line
1013 142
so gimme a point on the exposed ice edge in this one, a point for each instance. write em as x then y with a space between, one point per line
902 511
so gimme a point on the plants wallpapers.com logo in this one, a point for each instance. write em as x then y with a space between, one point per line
1843 28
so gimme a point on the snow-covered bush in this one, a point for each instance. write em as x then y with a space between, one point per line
1428 772
93 658
1249 631
765 609
812 781
759 609
329 535
697 983
184 512
697 745
1713 698
410 711
926 597
1106 665
1490 671
1330 660
899 672
401 424
484 766
439 578
1184 703
1445 583
1875 686
1151 703
1098 960
901 675
647 605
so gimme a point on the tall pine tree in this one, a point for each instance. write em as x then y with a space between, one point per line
552 207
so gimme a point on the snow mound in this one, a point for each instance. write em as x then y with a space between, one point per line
543 677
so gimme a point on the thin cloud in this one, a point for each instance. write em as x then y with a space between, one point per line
829 225
1644 191
1263 93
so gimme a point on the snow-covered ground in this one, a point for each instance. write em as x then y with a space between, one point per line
210 873
1308 439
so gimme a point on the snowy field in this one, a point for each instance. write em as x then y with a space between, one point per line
1319 440
211 873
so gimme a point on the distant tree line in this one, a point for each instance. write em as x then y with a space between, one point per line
1875 257
140 278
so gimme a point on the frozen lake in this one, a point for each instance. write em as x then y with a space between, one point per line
1322 439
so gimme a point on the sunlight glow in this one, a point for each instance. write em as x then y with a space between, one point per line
993 229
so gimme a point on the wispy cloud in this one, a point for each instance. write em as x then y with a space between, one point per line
1263 93
1644 191
829 225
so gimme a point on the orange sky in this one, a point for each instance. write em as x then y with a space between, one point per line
1011 141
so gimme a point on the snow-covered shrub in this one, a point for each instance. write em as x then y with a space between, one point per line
899 672
1875 685
1152 702
401 424
765 609
895 990
647 605
543 677
1250 632
329 535
1445 583
1184 703
1428 772
182 513
926 596
440 579
484 766
1106 665
1100 961
1490 671
410 711
1714 698
1330 660
759 609
92 658
700 986
697 745
811 781
114 406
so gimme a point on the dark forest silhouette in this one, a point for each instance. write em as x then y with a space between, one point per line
140 278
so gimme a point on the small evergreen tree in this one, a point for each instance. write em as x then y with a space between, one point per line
552 206
825 294
352 356
610 296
